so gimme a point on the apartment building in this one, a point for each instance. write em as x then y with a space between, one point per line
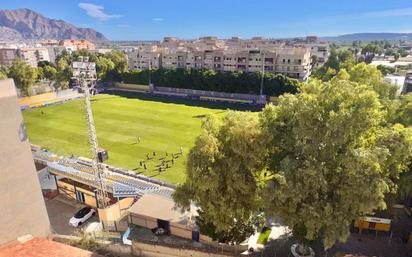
142 59
294 62
318 49
251 55
32 56
78 44
194 59
7 56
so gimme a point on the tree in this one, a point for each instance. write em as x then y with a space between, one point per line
23 74
236 234
103 67
225 173
210 80
119 59
337 60
42 64
3 72
63 72
404 110
385 70
330 158
49 72
371 76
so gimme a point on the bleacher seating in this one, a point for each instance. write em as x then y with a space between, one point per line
118 181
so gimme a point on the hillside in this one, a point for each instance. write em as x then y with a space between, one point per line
25 24
371 36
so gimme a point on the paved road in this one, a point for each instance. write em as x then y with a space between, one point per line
60 214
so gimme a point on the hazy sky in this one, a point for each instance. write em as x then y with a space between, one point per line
154 19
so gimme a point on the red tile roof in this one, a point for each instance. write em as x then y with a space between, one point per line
38 247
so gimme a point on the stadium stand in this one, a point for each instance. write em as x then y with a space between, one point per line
118 181
47 99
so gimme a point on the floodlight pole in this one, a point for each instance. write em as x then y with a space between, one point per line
86 78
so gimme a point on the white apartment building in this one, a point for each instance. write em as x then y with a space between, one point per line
7 56
320 50
194 59
141 59
237 55
32 56
294 62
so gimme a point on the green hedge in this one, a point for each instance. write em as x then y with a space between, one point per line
230 82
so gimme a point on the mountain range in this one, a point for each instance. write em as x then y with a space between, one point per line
370 37
25 24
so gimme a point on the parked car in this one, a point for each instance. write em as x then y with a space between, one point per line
81 216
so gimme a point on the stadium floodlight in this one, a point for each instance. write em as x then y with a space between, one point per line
84 72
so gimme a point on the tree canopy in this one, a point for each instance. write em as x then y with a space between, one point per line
331 159
224 173
23 74
319 160
204 79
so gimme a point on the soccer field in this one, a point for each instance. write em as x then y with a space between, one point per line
163 125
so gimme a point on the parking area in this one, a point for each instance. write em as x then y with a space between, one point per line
60 211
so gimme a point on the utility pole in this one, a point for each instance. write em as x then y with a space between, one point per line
263 74
84 72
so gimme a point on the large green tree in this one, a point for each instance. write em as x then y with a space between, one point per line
225 174
331 160
403 115
23 74
119 59
104 66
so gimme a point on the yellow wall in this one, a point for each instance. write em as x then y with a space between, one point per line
143 221
39 100
362 224
68 189
181 232
133 86
126 203
116 211
28 100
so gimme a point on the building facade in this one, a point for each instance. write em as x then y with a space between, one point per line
32 56
7 56
20 192
253 55
78 44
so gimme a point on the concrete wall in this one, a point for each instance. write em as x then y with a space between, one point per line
23 209
149 250
47 98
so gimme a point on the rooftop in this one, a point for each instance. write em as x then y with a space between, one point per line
162 208
38 247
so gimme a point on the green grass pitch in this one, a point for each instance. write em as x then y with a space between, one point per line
163 125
